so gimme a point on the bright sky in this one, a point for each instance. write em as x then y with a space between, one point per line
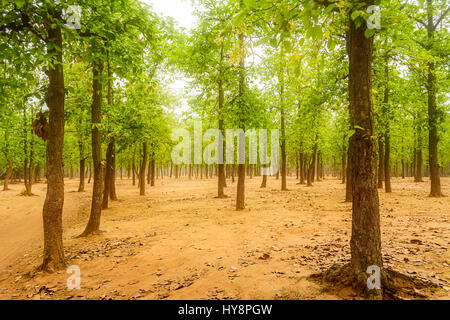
182 12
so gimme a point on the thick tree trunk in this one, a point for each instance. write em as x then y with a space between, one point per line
93 225
53 257
365 244
433 114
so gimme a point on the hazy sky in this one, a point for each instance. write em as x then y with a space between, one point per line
180 10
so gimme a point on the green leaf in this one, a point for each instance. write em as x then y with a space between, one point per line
369 32
355 14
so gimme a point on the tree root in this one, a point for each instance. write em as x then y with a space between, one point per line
341 280
89 233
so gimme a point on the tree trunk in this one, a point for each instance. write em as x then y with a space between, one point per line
240 194
53 256
433 114
152 170
344 158
112 174
283 133
419 162
107 183
134 166
302 168
82 166
142 170
365 244
93 225
380 162
387 159
9 161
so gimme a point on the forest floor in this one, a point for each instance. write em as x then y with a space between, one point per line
179 242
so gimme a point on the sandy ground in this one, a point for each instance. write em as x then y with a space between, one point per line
179 242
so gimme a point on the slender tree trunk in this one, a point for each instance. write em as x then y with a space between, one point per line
264 181
419 161
240 194
112 174
387 159
142 169
302 168
107 171
26 177
152 169
9 161
134 166
344 165
93 225
380 162
283 133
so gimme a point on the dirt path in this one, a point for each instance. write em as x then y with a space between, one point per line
21 219
21 222
179 242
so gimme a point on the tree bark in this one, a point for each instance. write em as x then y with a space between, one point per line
387 160
9 161
142 169
365 244
152 170
344 166
283 133
93 225
53 256
240 194
380 162
433 138
107 182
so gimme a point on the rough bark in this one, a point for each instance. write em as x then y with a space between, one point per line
93 225
365 244
433 138
53 255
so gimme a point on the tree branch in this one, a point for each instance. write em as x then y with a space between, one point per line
440 18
